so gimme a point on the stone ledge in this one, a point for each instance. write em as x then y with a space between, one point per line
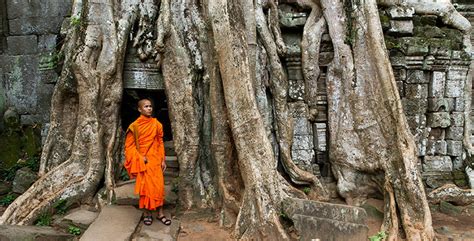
14 233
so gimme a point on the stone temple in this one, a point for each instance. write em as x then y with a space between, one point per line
428 59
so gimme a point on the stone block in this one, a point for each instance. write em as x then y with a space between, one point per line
37 233
437 133
421 145
21 83
338 212
454 148
436 104
401 74
321 137
417 124
303 156
298 109
19 45
437 163
459 104
458 163
302 127
450 209
416 91
414 46
456 73
303 142
38 8
401 12
437 85
470 176
296 89
415 106
417 77
439 119
400 88
45 93
402 27
436 147
80 217
455 133
49 76
47 43
454 89
35 25
24 177
31 119
457 118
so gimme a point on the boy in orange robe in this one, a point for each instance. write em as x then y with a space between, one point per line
145 161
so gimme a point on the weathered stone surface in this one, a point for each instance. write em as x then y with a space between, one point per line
470 176
417 77
296 89
454 88
439 119
415 106
47 43
454 148
437 84
35 25
325 221
449 208
401 12
457 118
49 76
298 109
404 27
437 163
24 177
456 73
113 223
436 147
290 17
21 82
458 163
302 127
320 136
81 218
159 232
26 233
31 119
38 8
455 133
459 104
440 104
305 157
414 46
303 142
416 91
18 45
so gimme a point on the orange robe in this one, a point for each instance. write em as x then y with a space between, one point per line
149 177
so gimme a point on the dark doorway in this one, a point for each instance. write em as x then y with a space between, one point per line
160 108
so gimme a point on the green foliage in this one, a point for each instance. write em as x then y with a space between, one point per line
74 230
306 190
379 236
60 206
7 200
124 175
31 162
44 219
75 21
175 185
50 60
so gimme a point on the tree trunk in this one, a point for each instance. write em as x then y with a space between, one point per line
227 97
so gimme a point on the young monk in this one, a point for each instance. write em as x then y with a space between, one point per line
145 161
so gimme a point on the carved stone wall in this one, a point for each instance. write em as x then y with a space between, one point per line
430 66
29 35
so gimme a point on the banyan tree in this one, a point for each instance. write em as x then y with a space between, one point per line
227 93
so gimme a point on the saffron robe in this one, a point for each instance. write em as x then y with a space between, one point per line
147 133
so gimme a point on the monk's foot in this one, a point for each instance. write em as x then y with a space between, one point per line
148 220
164 220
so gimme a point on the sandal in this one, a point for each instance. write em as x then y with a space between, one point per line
148 220
164 220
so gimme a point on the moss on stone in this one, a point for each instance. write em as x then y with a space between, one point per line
31 140
423 20
11 150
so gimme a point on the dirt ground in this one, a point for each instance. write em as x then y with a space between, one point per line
205 227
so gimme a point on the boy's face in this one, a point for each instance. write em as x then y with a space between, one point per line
145 108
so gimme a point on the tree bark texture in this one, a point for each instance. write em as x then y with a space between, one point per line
227 96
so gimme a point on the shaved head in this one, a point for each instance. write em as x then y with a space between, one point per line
142 101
